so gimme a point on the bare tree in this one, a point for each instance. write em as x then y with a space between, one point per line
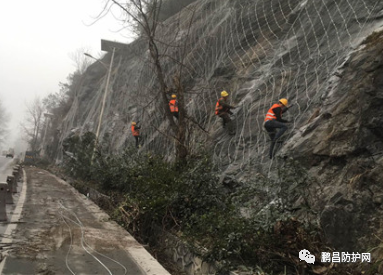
145 14
4 120
80 61
33 123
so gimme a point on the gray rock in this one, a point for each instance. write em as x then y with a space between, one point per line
301 50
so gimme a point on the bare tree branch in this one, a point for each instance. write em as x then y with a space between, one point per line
4 120
32 124
146 15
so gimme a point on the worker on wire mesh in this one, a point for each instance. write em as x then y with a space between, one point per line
173 105
136 133
223 110
274 123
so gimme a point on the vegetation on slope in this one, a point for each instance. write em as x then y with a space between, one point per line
189 201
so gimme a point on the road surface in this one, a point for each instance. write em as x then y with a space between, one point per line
53 229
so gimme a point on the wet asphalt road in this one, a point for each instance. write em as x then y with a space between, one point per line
59 231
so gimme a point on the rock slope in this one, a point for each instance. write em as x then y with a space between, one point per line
315 53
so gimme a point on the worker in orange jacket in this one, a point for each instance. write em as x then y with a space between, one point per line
173 105
223 110
274 121
136 133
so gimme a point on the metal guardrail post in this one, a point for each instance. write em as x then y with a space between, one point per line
9 197
3 194
16 174
17 167
12 180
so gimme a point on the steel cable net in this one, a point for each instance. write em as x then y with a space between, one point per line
259 51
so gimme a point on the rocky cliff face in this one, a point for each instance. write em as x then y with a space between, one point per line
342 146
314 53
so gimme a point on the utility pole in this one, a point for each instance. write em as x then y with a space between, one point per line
108 46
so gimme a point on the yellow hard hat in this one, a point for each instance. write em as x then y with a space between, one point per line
174 96
284 101
224 94
133 123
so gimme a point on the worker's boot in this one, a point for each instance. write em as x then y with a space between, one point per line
271 149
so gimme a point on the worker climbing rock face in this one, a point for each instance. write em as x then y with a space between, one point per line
136 133
223 110
274 123
173 105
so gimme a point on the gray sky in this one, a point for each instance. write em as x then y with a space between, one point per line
37 38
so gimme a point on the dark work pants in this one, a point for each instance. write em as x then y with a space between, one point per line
271 127
137 140
175 114
226 120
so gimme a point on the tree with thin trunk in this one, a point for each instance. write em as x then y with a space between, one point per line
33 123
4 120
79 59
146 17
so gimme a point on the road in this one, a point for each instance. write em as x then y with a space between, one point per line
53 229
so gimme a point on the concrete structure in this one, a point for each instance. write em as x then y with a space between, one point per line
3 194
12 181
9 197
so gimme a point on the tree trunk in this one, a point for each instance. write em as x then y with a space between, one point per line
179 130
181 149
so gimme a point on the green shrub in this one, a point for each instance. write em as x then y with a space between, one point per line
78 153
190 202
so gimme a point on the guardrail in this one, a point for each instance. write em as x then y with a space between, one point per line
8 189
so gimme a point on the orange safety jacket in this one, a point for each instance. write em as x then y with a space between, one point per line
218 107
173 106
135 131
270 113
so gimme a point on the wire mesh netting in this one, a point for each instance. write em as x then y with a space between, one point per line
259 51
